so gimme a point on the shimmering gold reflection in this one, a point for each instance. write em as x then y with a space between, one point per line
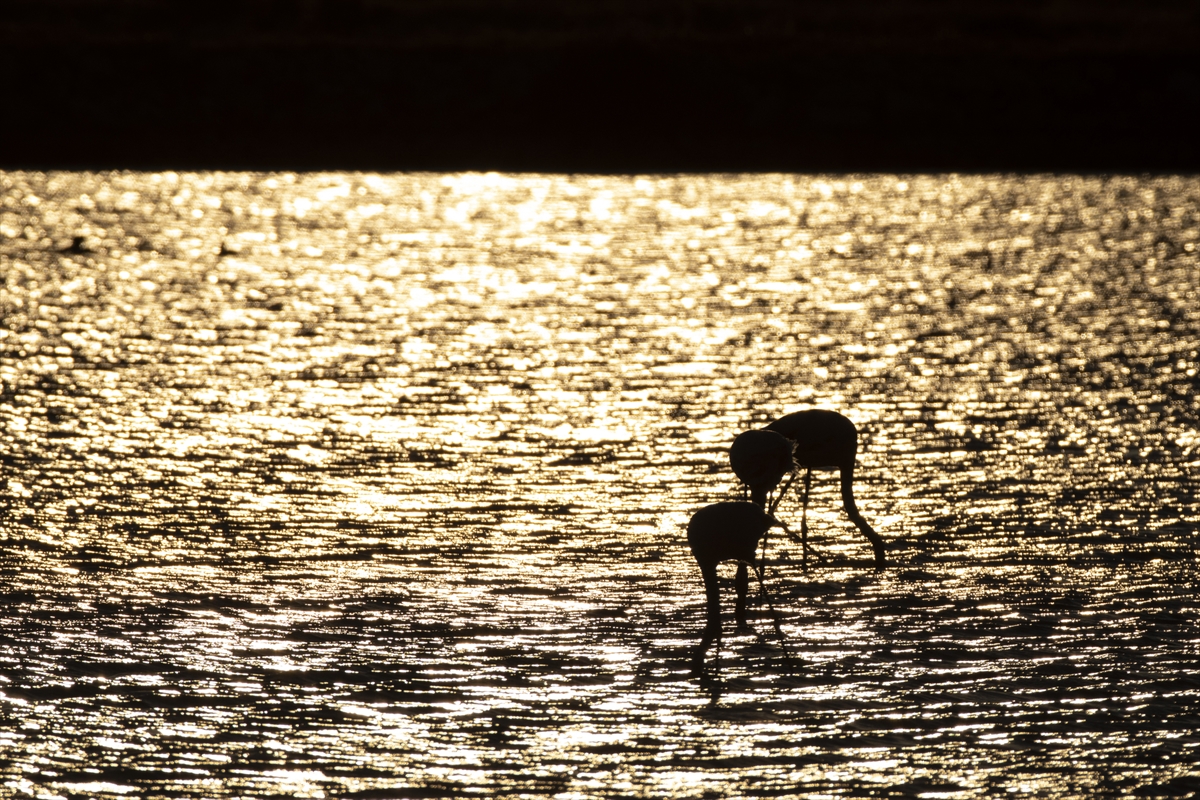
374 485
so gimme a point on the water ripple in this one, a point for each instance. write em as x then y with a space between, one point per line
372 486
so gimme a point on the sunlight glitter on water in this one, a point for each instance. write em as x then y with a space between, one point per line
377 484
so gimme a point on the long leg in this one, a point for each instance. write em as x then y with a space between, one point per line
742 582
857 519
762 554
759 572
762 590
712 594
702 649
804 515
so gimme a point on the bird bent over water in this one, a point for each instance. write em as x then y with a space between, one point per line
728 532
825 439
760 459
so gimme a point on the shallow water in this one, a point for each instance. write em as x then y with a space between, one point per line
374 486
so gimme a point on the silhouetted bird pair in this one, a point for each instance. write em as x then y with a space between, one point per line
813 439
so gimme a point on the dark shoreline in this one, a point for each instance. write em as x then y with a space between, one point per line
615 88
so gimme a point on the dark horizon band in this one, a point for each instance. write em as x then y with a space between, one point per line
768 87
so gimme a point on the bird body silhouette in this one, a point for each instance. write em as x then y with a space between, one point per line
815 439
760 459
825 439
822 439
727 532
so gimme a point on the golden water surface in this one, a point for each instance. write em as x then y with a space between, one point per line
344 485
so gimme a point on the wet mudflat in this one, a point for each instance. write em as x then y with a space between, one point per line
374 486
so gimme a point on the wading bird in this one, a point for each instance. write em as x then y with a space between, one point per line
760 459
728 532
826 440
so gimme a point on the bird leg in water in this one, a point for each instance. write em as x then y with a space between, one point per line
795 538
706 642
859 522
760 570
742 582
804 516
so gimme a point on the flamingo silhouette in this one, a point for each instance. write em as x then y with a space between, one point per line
825 440
728 532
731 531
760 459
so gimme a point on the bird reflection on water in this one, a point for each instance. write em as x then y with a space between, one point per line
353 484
